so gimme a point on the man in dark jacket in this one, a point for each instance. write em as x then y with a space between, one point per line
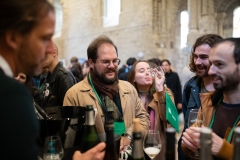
201 83
58 80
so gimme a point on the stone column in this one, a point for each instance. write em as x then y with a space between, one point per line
219 18
155 17
163 24
193 14
204 7
193 21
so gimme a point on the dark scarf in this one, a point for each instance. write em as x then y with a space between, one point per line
110 90
107 93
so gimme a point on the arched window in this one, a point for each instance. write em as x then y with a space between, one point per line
59 18
111 12
236 22
184 28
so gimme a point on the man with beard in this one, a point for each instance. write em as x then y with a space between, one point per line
25 36
221 108
112 98
201 83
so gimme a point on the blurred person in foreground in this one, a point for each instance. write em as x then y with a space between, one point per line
25 39
151 91
201 83
221 108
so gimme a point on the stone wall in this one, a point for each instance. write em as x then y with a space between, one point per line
148 26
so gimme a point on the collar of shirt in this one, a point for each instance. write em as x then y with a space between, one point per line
5 67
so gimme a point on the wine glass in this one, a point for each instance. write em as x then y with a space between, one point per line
53 149
195 117
152 144
158 68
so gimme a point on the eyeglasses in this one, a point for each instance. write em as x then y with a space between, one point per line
106 63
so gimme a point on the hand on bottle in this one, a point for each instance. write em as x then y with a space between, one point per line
191 138
217 143
96 153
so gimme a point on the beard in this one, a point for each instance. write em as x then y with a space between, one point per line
102 77
230 83
202 71
28 62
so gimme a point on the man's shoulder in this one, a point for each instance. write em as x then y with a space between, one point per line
123 84
194 81
80 86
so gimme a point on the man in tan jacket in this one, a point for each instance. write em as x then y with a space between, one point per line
112 98
221 108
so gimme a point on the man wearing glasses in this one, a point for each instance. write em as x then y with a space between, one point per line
112 98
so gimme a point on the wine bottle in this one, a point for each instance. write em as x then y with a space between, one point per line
137 151
110 151
206 143
170 143
90 135
236 144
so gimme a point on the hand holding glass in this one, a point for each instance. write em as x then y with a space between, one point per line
53 149
159 69
195 117
152 144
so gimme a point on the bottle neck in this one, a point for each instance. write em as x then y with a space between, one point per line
90 119
109 135
236 153
137 152
206 143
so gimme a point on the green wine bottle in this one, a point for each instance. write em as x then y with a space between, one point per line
170 145
137 151
90 136
206 143
110 151
236 144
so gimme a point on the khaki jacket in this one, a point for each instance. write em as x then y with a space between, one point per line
82 94
226 151
158 104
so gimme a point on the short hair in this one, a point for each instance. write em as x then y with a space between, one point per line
236 50
209 39
93 47
74 60
131 61
166 60
156 61
85 62
22 16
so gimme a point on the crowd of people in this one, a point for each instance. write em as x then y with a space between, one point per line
137 90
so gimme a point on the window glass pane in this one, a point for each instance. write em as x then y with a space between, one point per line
236 22
184 28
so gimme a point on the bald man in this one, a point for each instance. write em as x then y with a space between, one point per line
59 80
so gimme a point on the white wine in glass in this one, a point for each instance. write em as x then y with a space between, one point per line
152 145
